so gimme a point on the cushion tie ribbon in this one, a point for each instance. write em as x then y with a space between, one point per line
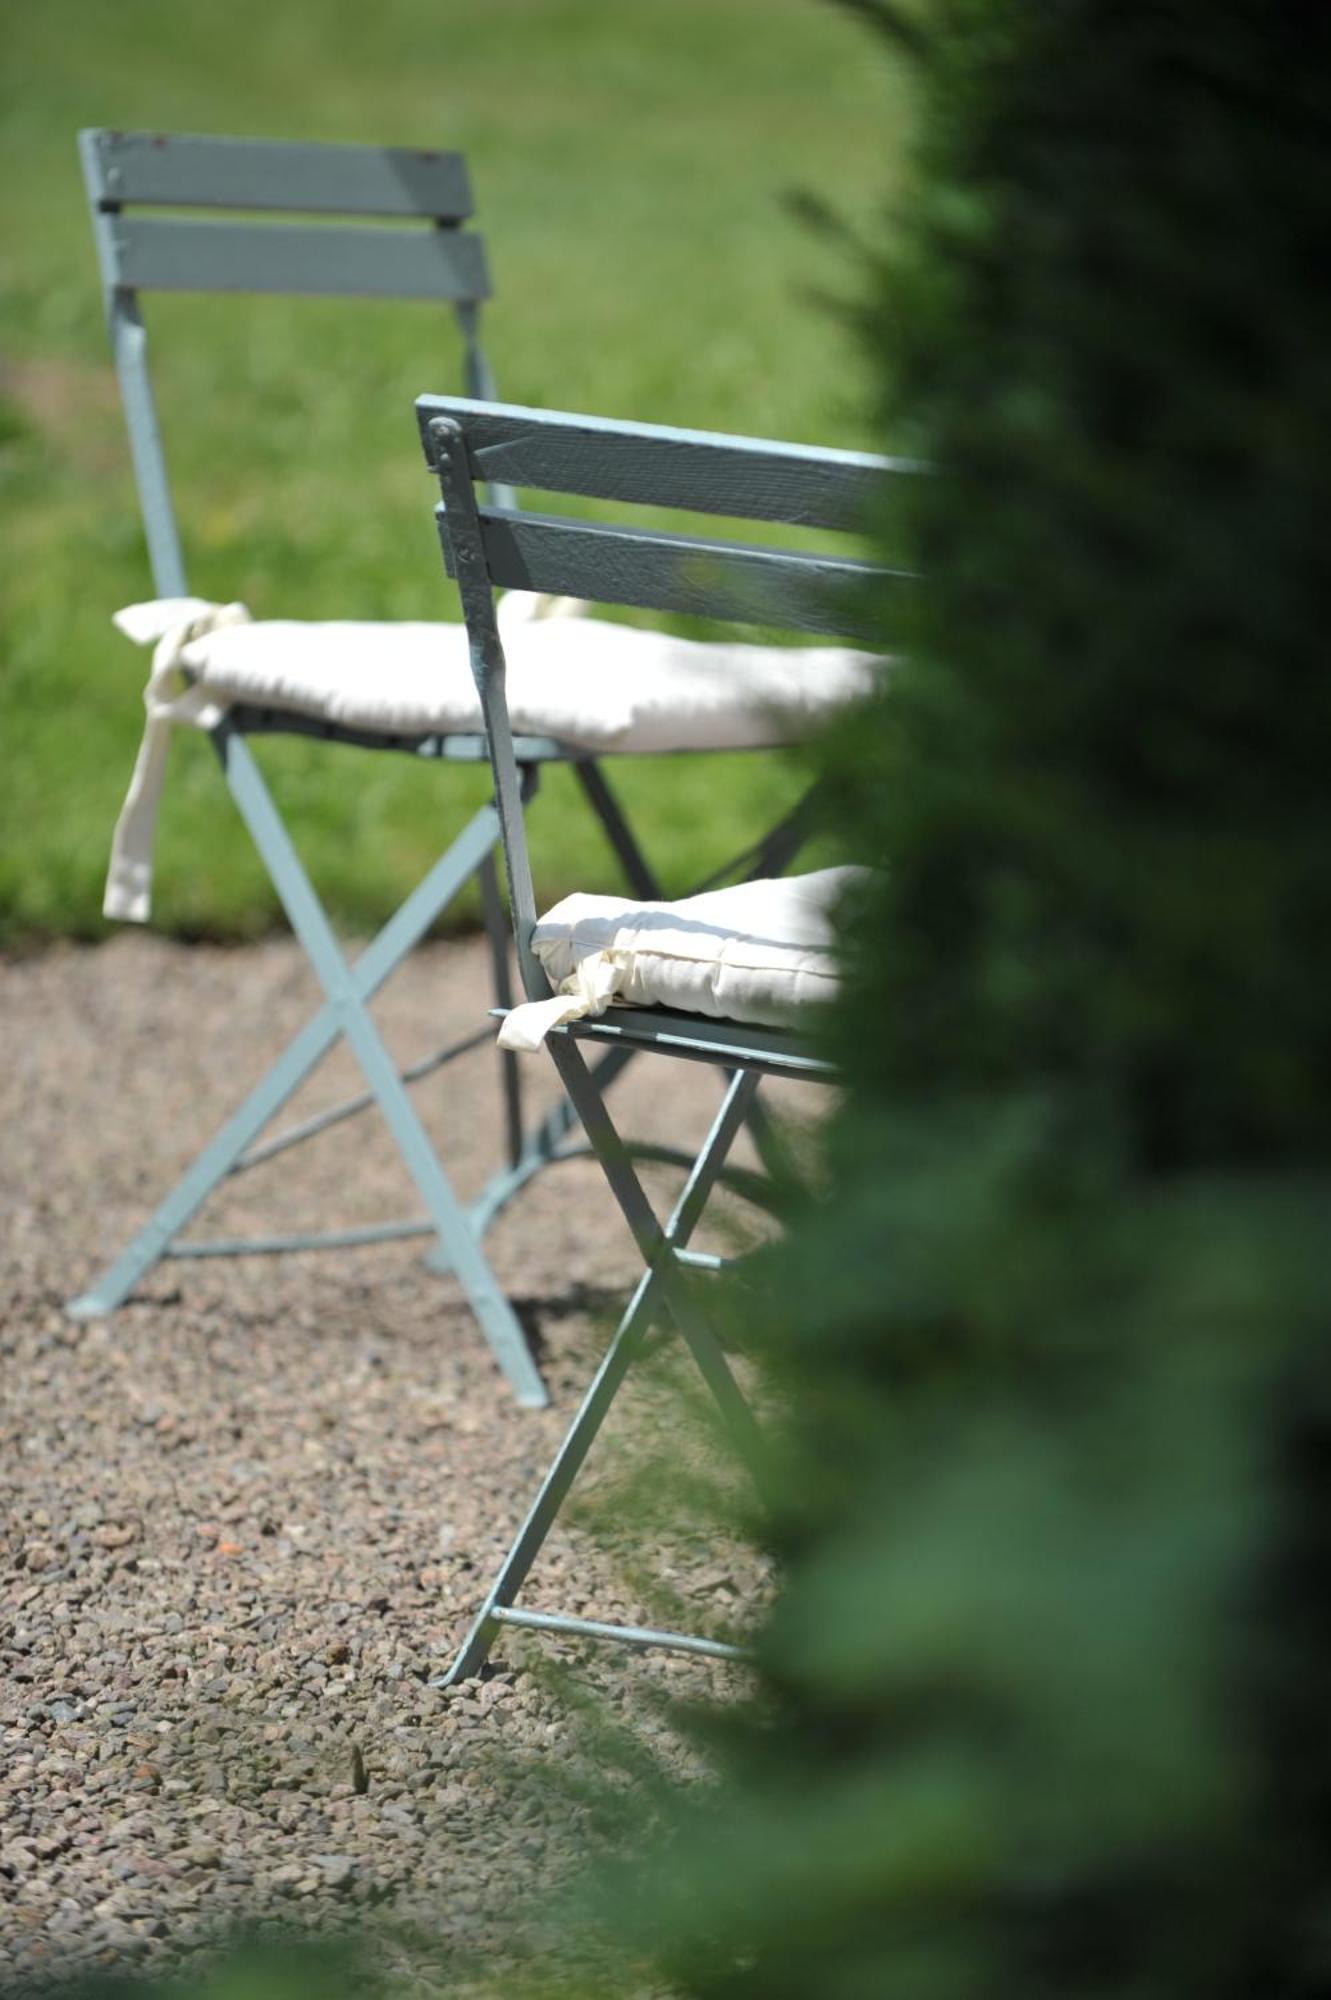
587 992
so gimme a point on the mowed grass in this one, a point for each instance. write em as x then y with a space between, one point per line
633 163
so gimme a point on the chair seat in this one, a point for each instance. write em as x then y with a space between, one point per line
583 681
758 953
789 1052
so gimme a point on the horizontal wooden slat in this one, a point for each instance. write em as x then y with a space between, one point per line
161 169
281 257
660 572
705 472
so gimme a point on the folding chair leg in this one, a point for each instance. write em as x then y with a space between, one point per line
622 1351
403 931
554 1489
654 1247
305 913
778 848
773 853
638 871
347 990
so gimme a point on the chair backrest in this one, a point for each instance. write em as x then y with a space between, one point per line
130 176
471 444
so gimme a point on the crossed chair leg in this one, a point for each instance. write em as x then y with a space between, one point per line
347 989
666 1256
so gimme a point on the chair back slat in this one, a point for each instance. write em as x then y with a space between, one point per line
351 262
169 170
703 473
132 176
676 573
807 590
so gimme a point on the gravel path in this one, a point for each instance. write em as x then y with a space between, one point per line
247 1518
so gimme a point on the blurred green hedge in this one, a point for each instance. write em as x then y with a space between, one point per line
1045 1695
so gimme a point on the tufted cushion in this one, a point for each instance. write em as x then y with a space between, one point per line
581 680
762 952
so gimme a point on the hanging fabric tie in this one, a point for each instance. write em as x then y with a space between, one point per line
169 624
587 991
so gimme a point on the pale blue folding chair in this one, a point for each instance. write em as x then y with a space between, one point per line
250 679
726 978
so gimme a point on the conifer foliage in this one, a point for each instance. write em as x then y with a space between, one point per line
1047 1686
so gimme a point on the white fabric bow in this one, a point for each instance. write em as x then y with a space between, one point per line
168 624
587 991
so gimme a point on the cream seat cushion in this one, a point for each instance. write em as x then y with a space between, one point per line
589 684
585 682
760 952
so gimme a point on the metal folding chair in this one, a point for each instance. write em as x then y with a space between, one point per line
131 179
488 545
444 262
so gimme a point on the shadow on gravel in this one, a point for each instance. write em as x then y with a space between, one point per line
246 1967
600 1305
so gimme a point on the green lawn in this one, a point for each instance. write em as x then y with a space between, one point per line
633 162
